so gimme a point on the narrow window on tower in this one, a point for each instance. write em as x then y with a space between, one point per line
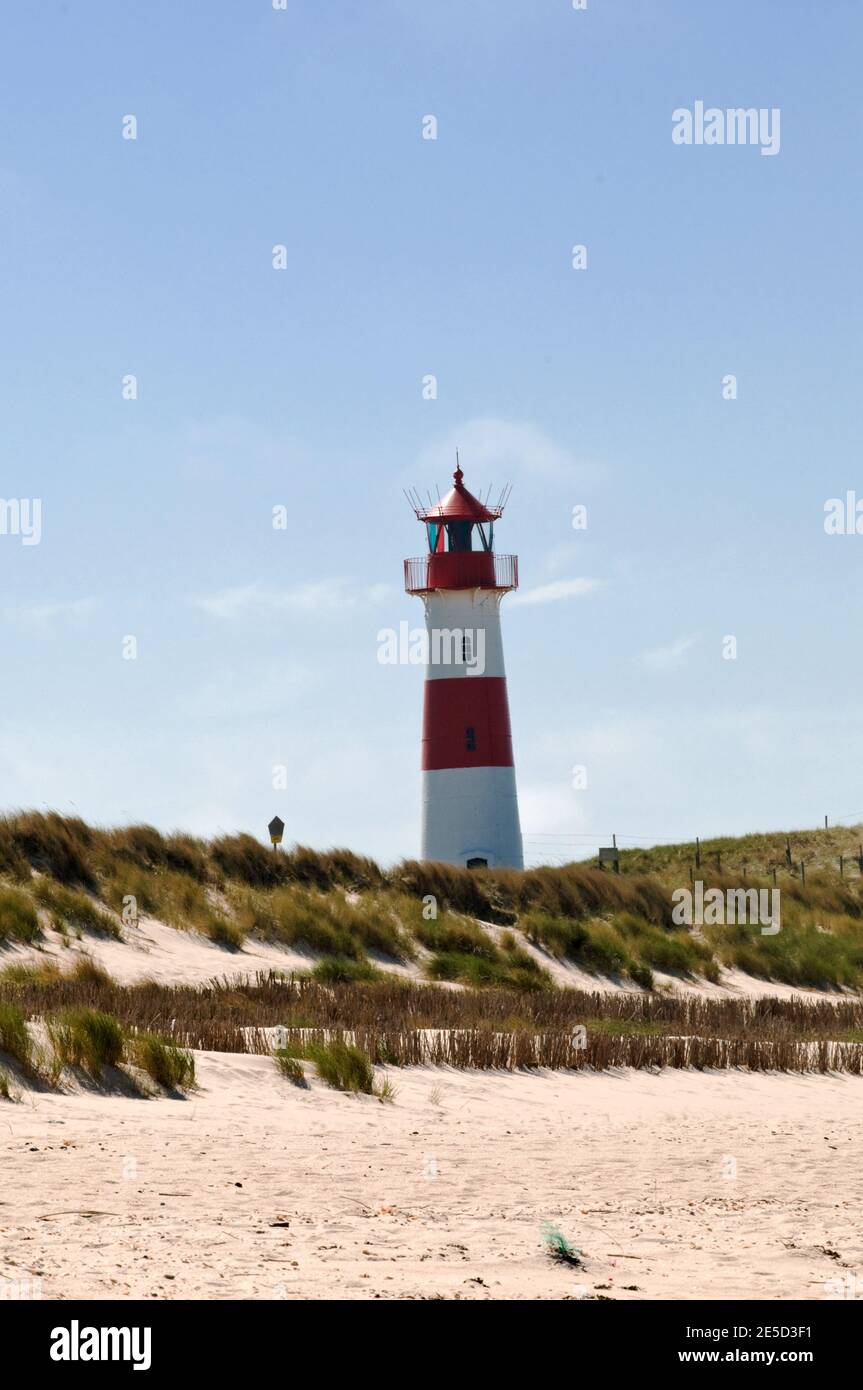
470 738
467 648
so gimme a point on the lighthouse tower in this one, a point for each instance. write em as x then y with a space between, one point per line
469 802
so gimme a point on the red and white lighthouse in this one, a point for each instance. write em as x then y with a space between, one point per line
469 801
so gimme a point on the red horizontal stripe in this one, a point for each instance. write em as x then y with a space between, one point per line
452 708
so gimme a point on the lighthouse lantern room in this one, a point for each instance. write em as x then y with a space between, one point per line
469 801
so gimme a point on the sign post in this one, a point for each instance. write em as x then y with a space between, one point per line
276 828
610 854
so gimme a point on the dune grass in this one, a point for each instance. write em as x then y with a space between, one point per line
343 907
15 1040
86 1038
290 1065
60 846
758 853
35 972
18 918
401 1022
168 1065
799 954
462 951
337 1062
343 1066
342 970
73 910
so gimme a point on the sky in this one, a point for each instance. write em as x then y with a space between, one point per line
252 685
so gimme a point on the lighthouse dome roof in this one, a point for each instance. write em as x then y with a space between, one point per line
460 505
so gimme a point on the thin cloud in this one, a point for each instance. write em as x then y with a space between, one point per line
323 596
557 590
499 450
663 658
44 617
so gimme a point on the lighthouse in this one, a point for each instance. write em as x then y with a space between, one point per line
469 801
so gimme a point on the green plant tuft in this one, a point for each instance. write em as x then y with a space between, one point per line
86 1038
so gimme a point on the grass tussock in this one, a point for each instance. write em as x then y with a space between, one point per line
799 954
144 847
169 1066
291 1067
626 945
18 917
463 952
73 911
501 895
330 924
343 1066
15 1040
337 1062
247 861
61 846
32 972
341 970
86 1038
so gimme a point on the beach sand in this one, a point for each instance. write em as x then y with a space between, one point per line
677 1185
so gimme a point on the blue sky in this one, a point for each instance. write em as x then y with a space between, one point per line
303 388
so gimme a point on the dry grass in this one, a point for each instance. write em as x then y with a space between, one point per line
72 910
169 1066
344 907
86 1038
758 853
18 917
408 1024
15 1040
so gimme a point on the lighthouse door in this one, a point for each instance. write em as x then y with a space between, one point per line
477 864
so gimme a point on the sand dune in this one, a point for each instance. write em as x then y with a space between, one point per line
678 1185
153 950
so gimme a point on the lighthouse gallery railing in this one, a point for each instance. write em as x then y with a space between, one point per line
461 569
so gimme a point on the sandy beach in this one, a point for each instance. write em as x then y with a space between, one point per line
677 1185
